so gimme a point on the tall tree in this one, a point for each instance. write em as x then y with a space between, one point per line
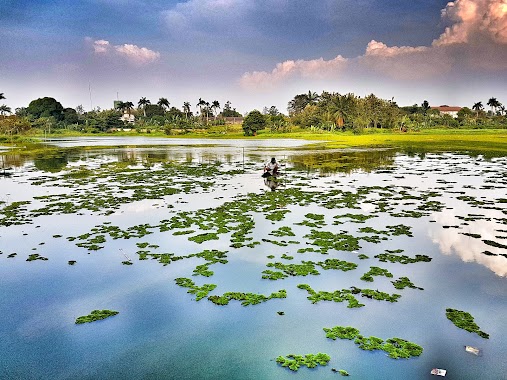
186 109
477 107
142 103
493 103
164 103
4 109
214 106
201 103
298 104
313 97
45 107
425 106
120 106
129 106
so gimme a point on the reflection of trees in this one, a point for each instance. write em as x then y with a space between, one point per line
51 163
16 160
328 163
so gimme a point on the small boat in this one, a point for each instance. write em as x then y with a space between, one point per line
473 350
438 371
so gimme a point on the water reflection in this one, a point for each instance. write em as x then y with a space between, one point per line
272 182
328 163
469 249
51 163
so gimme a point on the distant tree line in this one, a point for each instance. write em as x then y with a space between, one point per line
329 112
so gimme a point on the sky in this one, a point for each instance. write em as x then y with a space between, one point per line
253 53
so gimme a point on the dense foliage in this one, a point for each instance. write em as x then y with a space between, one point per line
327 112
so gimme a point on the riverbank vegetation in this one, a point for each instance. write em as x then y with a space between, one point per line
345 119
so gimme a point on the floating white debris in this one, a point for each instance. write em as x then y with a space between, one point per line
438 372
473 350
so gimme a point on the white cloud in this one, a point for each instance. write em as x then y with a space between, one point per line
472 19
133 53
380 49
101 46
314 69
476 39
138 55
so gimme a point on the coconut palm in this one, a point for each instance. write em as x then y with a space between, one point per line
129 106
201 103
4 109
477 107
142 103
207 109
493 103
214 106
120 106
186 109
163 103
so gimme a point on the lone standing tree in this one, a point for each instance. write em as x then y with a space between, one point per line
253 122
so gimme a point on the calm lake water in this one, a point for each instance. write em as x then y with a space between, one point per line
450 207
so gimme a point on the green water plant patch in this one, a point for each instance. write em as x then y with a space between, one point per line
294 362
96 315
465 321
395 347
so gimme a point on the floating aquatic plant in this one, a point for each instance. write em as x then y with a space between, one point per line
96 315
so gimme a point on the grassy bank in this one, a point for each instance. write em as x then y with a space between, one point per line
481 141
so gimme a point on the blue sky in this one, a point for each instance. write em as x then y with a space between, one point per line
253 53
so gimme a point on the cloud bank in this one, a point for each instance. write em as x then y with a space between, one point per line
133 53
475 39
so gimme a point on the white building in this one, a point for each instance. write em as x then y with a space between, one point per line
126 118
446 110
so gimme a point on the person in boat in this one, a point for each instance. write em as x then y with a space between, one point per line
271 168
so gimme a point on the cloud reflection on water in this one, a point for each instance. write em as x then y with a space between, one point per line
469 249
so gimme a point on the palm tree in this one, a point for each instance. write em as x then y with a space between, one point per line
186 109
4 109
502 109
313 97
214 106
201 104
477 107
207 109
129 106
163 103
493 103
143 102
2 96
120 106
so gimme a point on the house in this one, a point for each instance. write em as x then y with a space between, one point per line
446 110
233 120
128 118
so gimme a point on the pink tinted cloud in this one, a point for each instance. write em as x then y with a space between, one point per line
478 35
133 53
313 69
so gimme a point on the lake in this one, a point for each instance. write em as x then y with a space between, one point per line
139 213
